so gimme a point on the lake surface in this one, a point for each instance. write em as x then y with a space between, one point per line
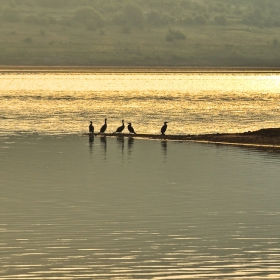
137 209
192 102
116 208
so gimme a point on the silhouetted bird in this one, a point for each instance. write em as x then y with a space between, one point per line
91 128
163 128
103 127
131 129
121 128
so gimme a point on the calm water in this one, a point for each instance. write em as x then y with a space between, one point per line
137 209
115 208
52 103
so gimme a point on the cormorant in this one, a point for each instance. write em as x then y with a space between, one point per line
163 128
91 128
121 128
103 127
131 129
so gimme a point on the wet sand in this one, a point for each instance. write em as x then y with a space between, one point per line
267 137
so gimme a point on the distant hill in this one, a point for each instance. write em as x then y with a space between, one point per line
212 33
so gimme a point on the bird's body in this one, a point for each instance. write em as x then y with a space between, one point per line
163 128
91 128
130 128
103 127
121 128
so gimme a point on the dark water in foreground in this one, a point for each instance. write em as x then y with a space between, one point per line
137 209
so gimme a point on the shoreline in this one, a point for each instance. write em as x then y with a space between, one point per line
266 138
137 69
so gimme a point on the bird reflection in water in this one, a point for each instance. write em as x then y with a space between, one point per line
90 140
120 140
130 143
164 147
103 142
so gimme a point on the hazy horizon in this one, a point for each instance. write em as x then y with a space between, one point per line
185 33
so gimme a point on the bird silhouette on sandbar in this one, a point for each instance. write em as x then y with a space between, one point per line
103 127
91 128
163 128
120 128
131 129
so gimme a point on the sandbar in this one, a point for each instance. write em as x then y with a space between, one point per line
266 137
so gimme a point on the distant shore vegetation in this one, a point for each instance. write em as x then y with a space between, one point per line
216 33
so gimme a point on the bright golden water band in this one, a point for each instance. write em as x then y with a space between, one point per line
193 103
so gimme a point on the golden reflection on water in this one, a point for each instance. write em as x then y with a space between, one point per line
191 102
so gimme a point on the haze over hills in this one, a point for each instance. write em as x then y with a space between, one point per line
202 33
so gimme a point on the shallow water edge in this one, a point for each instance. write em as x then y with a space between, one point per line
138 69
269 137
